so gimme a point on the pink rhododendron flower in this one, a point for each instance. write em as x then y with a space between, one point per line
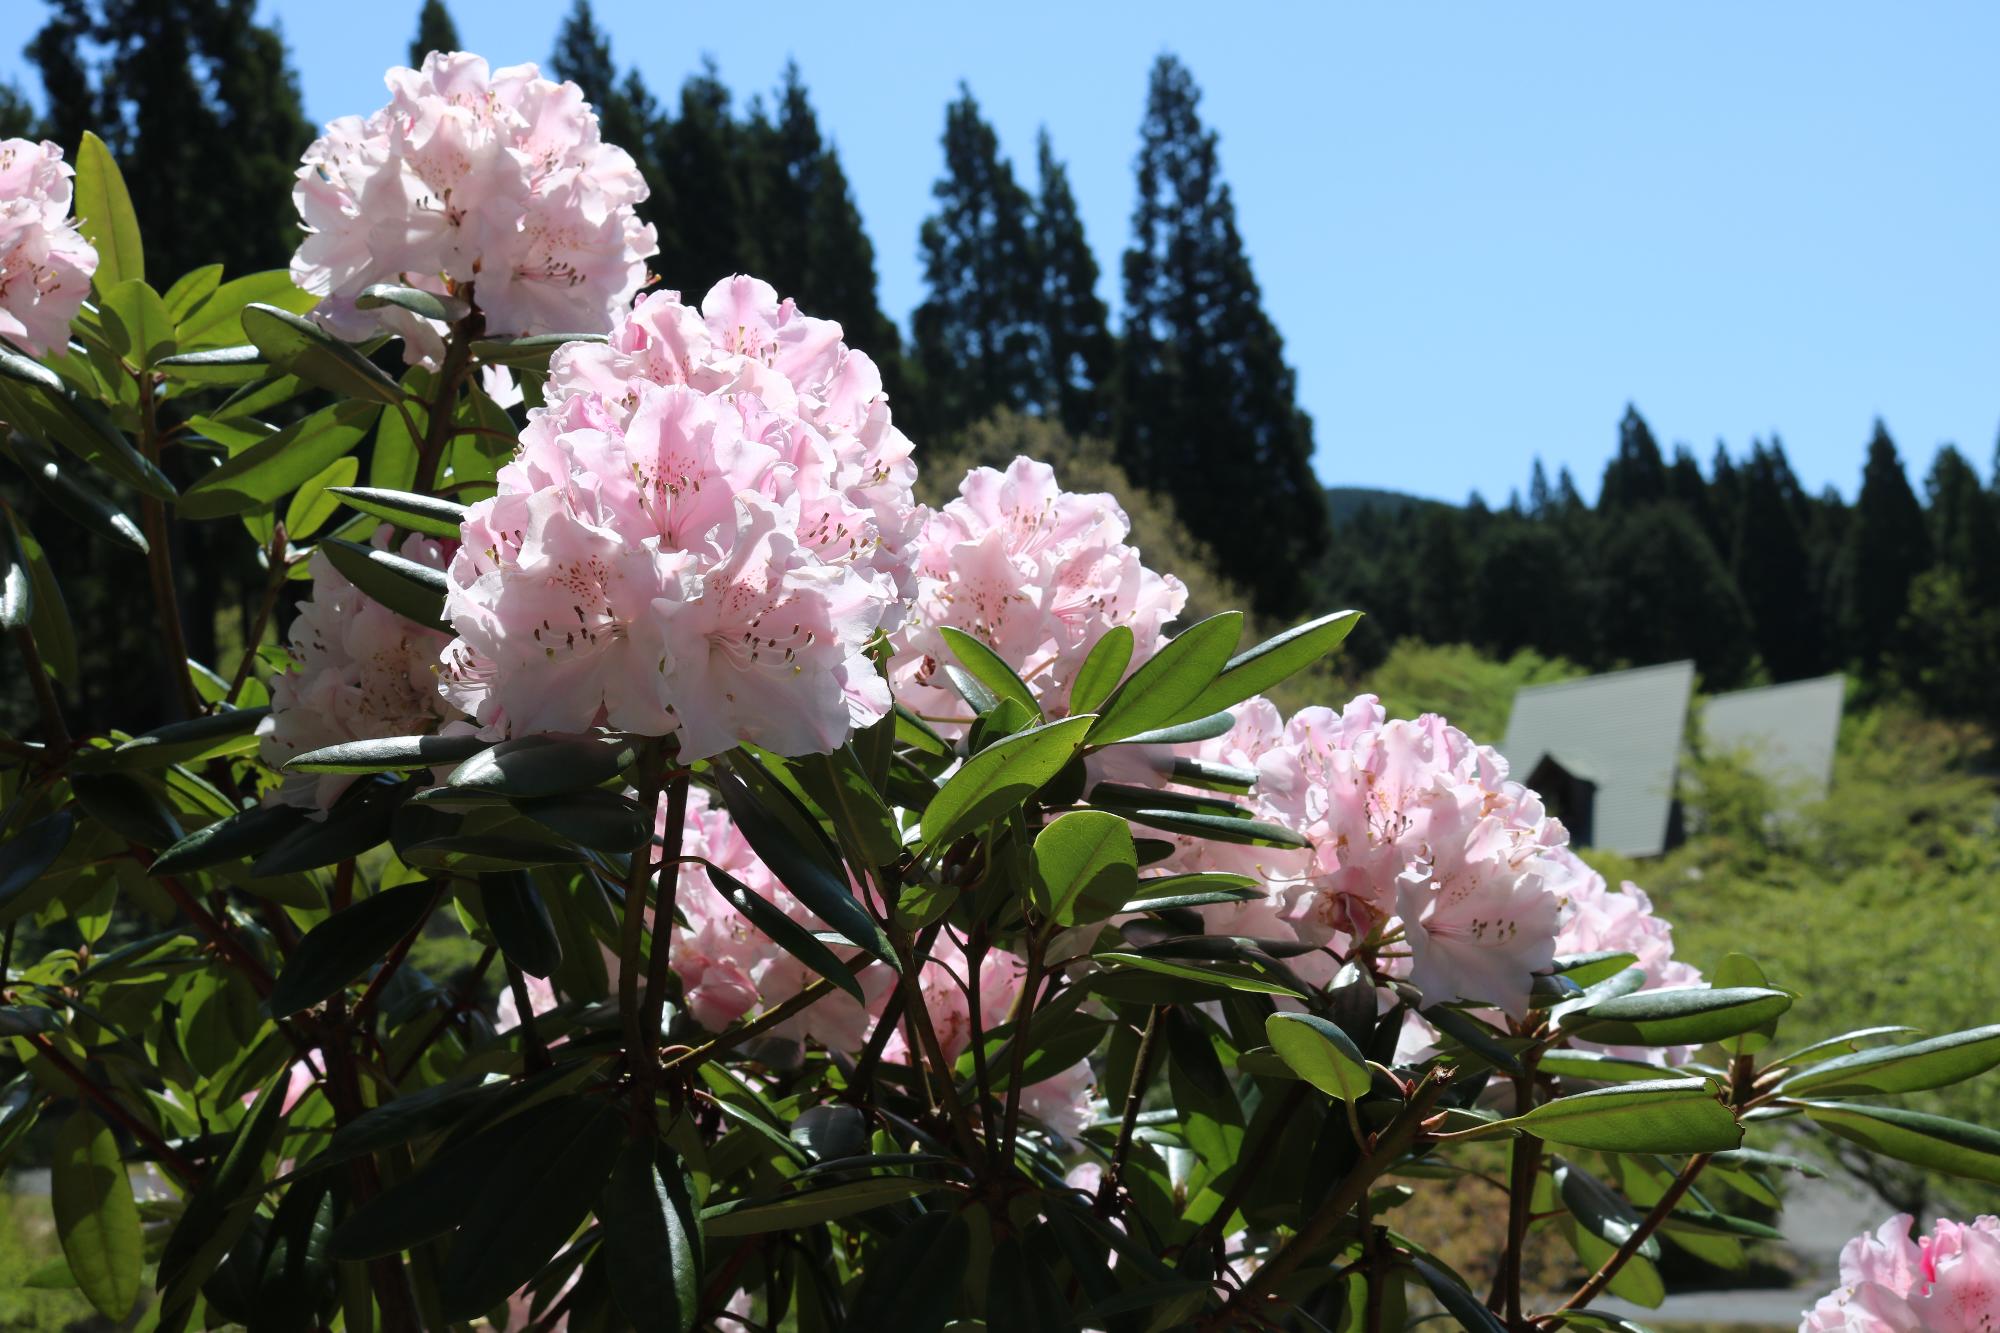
362 672
507 1010
1035 572
1597 918
488 181
45 264
826 412
658 575
1945 1282
728 968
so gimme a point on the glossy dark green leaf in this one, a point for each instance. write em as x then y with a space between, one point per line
1216 827
1470 1312
243 365
1001 778
841 788
26 856
79 425
1677 1017
66 486
1213 777
1971 1152
914 1284
1221 976
1085 866
530 353
417 513
278 464
1847 1042
990 669
217 1213
1275 660
345 945
303 348
651 1252
1587 969
218 321
799 870
1596 1067
914 731
96 1217
1101 670
48 618
520 922
359 820
445 309
808 1207
532 1202
786 933
1320 1053
104 215
534 766
1165 691
390 754
17 584
1604 1212
413 591
231 731
598 819
137 323
1681 1115
1934 1063
295 1284
128 807
19 1020
1022 1293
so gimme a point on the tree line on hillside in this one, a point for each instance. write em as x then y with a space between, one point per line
1737 566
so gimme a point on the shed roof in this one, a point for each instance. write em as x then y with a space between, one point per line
1788 731
1624 729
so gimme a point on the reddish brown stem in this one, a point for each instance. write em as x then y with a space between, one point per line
114 1110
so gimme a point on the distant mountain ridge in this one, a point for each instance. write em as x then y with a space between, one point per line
1344 502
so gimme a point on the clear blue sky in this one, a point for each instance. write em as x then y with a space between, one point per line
1480 228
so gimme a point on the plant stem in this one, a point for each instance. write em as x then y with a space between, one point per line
919 1015
219 934
1524 1164
1252 1163
273 585
115 1110
631 960
660 955
53 730
535 1052
1142 1074
1029 1002
160 557
460 996
438 428
1601 1279
1390 1145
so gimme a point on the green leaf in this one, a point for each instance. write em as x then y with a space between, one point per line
1674 1115
1102 670
545 765
1276 659
104 215
301 347
1596 1067
1829 1047
445 309
138 323
652 1249
48 619
1222 976
1677 1017
819 889
1085 866
79 425
26 856
1217 828
417 513
520 921
990 669
359 820
1603 1211
96 1216
1001 778
601 820
1021 1292
913 731
231 731
808 1207
1161 893
246 833
1471 1314
530 353
74 496
1320 1053
218 321
838 785
413 591
191 288
1587 969
389 755
1935 1063
243 365
278 464
218 1212
1971 1152
1201 729
531 1204
345 945
128 807
913 1286
1166 690
17 585
786 933
315 501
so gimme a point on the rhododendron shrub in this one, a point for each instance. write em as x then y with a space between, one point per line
644 870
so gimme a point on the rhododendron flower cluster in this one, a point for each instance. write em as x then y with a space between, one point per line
1035 572
1944 1282
361 672
490 179
679 558
45 263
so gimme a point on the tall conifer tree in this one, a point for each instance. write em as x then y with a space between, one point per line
1208 409
1077 357
1887 546
628 116
435 32
978 335
1636 474
1773 569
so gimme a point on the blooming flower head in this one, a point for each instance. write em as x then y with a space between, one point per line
728 968
45 264
1036 573
654 576
493 180
362 672
826 409
1945 1282
1596 918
